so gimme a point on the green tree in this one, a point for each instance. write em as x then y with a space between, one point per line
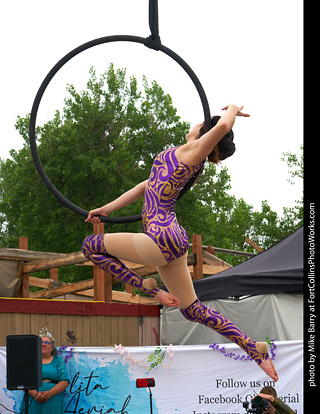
102 144
293 215
267 228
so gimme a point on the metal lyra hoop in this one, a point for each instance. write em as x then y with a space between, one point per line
52 73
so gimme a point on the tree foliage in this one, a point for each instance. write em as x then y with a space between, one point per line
102 144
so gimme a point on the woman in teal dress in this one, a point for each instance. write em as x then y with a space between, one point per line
49 398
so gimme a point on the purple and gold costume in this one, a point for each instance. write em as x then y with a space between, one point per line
93 248
168 177
200 313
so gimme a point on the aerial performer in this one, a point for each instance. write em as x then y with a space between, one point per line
164 243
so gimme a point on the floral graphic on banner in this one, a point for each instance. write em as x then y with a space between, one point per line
99 387
96 386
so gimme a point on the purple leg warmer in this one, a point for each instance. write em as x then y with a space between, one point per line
94 250
198 312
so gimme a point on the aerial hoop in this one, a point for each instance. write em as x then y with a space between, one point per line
152 42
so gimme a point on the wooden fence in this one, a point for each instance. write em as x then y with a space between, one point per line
99 288
77 323
102 320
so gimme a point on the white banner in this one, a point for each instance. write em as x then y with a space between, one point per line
188 379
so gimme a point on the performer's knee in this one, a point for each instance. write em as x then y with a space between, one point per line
86 247
93 245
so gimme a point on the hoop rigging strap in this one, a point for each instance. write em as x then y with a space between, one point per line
153 42
154 19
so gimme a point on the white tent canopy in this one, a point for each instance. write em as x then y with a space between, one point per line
268 288
274 316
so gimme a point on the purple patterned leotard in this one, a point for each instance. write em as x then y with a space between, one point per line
168 177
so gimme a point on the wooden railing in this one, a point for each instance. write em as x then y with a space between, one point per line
201 261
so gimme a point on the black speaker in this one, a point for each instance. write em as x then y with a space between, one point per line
24 362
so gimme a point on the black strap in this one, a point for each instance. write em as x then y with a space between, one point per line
153 41
154 18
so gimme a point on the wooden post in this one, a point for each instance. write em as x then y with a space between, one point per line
254 245
129 289
54 274
102 281
197 252
98 273
24 287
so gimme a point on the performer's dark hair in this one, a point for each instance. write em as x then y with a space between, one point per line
225 147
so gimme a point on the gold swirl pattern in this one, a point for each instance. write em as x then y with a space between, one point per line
167 178
93 248
198 312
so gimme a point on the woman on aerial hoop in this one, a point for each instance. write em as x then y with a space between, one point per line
164 243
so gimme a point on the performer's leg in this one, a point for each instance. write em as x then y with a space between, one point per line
138 248
134 247
177 278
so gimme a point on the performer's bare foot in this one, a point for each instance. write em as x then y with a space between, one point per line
266 364
166 299
269 369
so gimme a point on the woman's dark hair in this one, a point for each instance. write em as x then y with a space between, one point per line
225 147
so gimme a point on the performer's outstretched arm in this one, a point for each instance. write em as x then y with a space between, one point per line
198 148
124 200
